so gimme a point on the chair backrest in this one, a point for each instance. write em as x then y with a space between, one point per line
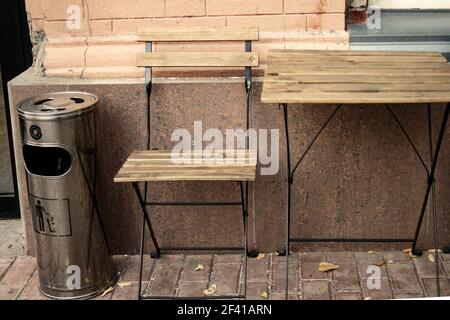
197 59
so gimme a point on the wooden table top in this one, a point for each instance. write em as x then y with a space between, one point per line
347 77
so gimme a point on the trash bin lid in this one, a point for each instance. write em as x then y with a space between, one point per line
57 105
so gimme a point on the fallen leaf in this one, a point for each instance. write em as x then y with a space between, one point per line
380 263
407 250
390 262
434 250
411 255
326 266
200 267
124 284
210 291
431 258
260 256
264 295
371 252
109 290
367 298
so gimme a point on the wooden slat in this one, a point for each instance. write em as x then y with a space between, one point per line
238 165
348 78
198 59
355 58
362 72
197 34
355 87
355 97
354 53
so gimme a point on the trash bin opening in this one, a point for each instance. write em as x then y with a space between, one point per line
77 100
47 161
40 102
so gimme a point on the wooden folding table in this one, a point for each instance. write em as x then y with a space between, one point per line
360 77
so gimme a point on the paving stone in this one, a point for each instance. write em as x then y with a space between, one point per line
313 257
430 287
130 271
445 257
310 271
165 277
192 262
293 258
348 296
4 266
9 292
364 260
396 257
447 268
404 278
425 268
228 258
365 269
258 270
129 292
407 295
191 289
340 257
281 296
31 291
381 293
226 278
345 278
279 278
20 271
255 289
316 290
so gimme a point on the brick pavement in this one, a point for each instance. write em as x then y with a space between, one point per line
396 276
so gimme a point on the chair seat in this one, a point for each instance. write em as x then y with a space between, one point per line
147 166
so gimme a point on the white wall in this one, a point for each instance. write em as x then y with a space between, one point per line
411 4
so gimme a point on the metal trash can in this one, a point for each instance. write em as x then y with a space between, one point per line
72 251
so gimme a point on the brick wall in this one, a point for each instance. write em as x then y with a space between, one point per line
104 45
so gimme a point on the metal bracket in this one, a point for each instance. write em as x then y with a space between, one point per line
248 70
148 71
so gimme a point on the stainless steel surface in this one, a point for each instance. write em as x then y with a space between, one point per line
73 256
56 105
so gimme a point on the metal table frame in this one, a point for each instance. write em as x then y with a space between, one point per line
430 190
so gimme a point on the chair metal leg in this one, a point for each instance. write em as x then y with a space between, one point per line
431 177
142 203
244 199
141 261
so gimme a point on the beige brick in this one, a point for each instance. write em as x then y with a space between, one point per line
107 9
94 27
314 6
185 8
35 9
317 40
239 7
129 26
270 23
58 9
112 55
325 22
37 24
67 57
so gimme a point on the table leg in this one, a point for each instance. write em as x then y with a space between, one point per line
288 196
434 204
431 177
244 199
